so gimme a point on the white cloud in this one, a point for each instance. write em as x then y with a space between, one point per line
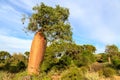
94 16
13 44
96 20
104 35
10 15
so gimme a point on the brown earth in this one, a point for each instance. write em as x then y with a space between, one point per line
114 78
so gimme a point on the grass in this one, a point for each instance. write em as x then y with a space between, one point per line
71 73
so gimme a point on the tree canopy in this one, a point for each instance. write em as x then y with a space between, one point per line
51 21
112 50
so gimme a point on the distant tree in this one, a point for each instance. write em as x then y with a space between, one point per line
50 24
111 50
116 62
60 55
4 56
27 54
85 59
17 62
101 57
89 48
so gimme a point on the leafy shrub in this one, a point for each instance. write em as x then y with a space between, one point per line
20 75
13 69
84 59
84 70
116 62
92 76
108 72
41 77
24 76
6 76
72 74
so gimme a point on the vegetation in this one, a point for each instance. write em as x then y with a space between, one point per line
50 25
63 59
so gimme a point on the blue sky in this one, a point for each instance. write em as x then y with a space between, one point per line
95 22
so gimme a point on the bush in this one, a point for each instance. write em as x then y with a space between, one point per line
6 75
20 75
84 70
84 59
24 76
116 63
72 74
92 76
108 72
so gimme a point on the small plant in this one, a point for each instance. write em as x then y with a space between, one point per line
6 76
20 75
84 70
92 76
108 72
72 74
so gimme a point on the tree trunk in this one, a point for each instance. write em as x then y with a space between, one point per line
36 53
109 60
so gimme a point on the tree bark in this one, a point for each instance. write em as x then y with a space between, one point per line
109 60
36 53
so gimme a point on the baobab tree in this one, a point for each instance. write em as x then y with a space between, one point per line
49 24
111 50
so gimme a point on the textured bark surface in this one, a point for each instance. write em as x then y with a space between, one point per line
36 53
109 60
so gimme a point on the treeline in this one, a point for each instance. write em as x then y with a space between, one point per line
13 62
58 55
110 55
61 56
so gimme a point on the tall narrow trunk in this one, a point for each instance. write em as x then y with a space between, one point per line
36 53
109 60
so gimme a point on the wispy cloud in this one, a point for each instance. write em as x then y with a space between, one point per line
13 44
94 22
97 19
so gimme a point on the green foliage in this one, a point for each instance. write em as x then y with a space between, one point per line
17 63
4 56
89 48
92 76
111 50
72 74
24 76
6 75
68 60
13 63
42 76
52 22
84 55
27 54
116 62
108 72
84 59
59 55
102 57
